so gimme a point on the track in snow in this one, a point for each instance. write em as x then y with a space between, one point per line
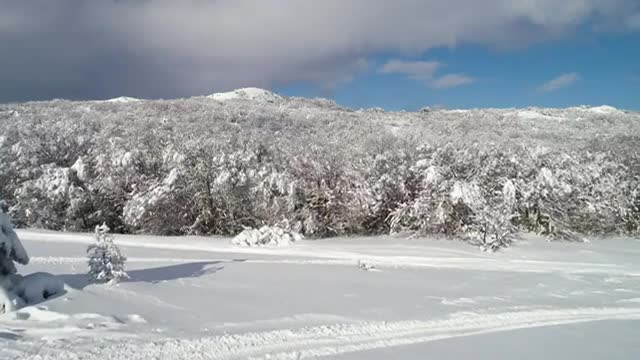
402 262
328 340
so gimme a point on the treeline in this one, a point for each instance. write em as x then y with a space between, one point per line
197 166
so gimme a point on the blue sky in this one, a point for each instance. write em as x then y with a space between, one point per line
401 54
602 68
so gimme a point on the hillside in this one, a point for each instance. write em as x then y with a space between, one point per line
216 164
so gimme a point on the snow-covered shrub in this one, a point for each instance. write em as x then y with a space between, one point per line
320 200
11 249
266 236
57 199
106 262
632 213
579 197
388 183
494 220
443 204
197 166
165 208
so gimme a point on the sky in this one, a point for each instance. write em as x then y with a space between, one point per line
402 54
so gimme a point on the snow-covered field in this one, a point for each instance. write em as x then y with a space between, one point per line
202 298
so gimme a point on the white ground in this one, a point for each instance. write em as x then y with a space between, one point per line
201 298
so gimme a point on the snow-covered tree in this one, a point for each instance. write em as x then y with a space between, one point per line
493 226
203 166
11 249
106 262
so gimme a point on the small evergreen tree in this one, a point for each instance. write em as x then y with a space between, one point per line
106 262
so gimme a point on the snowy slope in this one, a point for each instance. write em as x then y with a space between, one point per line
123 99
603 109
202 298
253 94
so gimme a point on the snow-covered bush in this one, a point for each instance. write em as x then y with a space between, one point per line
106 262
11 249
15 290
494 220
201 166
388 183
266 236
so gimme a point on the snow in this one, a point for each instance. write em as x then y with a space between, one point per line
204 298
80 168
604 109
553 114
38 287
106 262
266 235
11 248
469 194
123 99
250 93
534 115
458 111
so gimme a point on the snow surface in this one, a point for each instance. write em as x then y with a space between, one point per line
38 287
603 109
204 298
253 94
532 115
123 99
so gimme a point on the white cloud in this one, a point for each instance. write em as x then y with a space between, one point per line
562 81
416 70
451 80
150 48
425 71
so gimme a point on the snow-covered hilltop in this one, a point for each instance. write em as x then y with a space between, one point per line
559 114
250 93
123 99
265 98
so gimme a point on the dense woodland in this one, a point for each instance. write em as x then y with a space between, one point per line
201 166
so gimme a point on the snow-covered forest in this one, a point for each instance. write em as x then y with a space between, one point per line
215 165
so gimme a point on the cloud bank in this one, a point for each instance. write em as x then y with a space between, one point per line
168 48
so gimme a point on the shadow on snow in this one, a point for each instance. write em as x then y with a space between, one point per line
157 274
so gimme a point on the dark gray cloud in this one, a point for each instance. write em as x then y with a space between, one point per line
168 48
